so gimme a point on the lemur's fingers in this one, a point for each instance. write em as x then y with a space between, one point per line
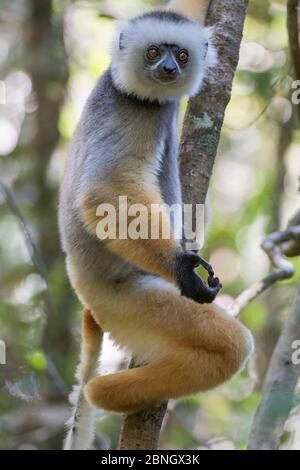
196 289
214 282
190 284
191 259
196 260
207 267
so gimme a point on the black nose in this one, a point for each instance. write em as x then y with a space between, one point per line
169 70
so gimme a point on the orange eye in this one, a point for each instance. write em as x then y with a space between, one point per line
183 56
153 53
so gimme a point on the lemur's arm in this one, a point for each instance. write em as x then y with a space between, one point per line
156 256
162 256
195 9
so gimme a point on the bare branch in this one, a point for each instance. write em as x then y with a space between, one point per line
142 430
285 269
35 255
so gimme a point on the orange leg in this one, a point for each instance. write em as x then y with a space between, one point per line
196 347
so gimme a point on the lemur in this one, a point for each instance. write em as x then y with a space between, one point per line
145 293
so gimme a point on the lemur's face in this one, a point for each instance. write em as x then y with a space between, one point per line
162 56
166 63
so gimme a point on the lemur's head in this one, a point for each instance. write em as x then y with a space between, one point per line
161 55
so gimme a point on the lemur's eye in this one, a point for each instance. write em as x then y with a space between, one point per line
153 53
183 56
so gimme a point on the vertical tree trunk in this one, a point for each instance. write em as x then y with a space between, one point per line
142 430
205 113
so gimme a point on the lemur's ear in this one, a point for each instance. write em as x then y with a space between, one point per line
194 9
121 41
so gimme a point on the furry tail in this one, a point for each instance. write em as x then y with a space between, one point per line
80 426
194 9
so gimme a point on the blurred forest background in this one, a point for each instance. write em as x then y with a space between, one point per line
51 54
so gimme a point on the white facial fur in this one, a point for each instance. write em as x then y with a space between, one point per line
137 35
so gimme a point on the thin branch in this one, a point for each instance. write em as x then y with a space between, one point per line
284 269
278 391
40 266
35 255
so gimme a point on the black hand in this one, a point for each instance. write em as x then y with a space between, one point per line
190 284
